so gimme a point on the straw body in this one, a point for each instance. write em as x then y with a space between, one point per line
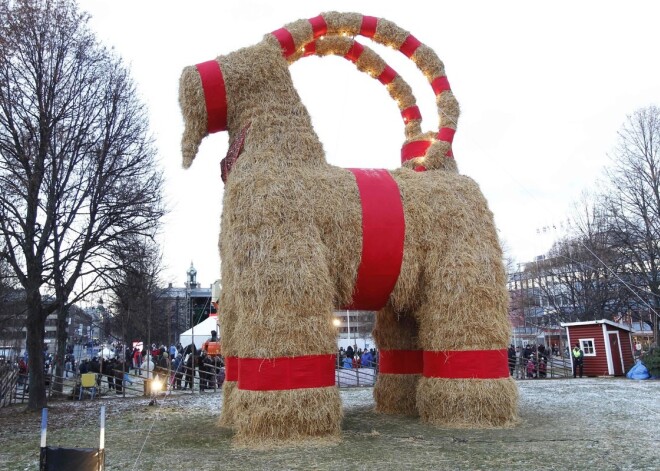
292 235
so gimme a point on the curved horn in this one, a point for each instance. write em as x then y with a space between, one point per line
429 150
368 61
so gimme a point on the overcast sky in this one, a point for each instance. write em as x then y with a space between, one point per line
543 86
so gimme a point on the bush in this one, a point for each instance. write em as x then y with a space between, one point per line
652 362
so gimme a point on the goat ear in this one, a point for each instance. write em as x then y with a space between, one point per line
203 102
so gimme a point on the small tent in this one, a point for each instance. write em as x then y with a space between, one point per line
201 332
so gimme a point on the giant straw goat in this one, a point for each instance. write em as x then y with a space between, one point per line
300 238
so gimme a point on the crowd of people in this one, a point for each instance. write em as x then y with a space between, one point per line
357 357
118 364
530 362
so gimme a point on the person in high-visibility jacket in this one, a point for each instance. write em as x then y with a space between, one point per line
578 359
212 346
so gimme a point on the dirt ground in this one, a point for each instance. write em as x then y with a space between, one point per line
590 424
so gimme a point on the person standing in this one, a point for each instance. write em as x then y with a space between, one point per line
350 353
578 360
511 354
137 361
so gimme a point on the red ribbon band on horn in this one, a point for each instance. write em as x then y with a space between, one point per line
231 368
413 149
319 26
466 364
400 362
215 95
410 113
383 233
284 373
310 49
440 84
410 45
446 134
368 26
387 75
354 52
285 38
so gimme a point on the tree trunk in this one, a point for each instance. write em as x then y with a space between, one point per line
60 351
36 326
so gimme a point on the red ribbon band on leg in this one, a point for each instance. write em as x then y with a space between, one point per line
383 233
400 362
231 368
466 364
284 373
215 95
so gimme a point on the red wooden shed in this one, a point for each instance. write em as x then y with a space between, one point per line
607 346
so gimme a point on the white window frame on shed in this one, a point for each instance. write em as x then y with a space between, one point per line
584 350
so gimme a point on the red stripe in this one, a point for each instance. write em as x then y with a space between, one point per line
215 95
411 113
354 52
368 26
400 362
420 168
310 49
387 75
283 373
446 134
231 368
466 364
410 45
383 232
413 149
319 26
440 85
286 41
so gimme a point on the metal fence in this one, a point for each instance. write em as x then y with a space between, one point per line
14 386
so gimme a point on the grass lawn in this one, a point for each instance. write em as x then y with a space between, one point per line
591 424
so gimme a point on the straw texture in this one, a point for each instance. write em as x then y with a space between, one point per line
396 393
291 241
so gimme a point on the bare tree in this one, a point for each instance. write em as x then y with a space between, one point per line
12 308
633 206
136 291
77 168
